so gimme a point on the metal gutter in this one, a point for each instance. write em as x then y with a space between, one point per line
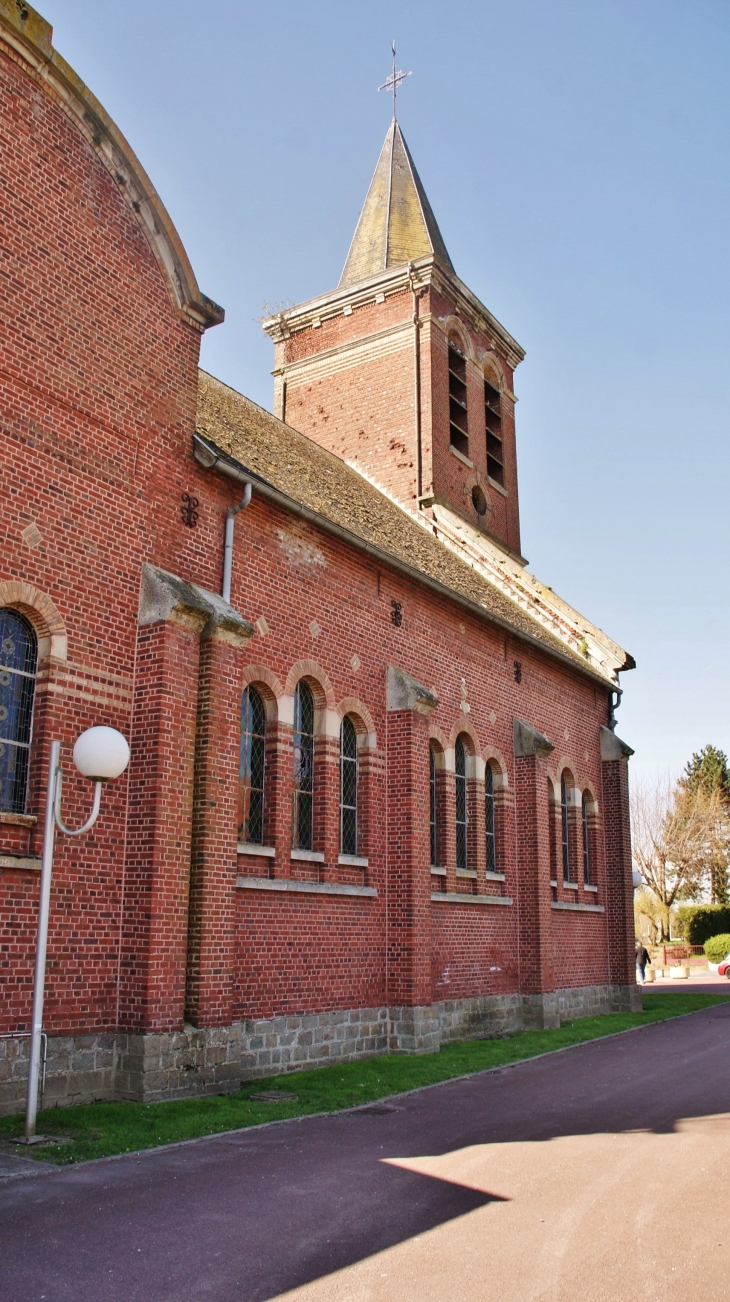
211 457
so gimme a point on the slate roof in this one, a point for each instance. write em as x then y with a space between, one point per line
396 224
310 476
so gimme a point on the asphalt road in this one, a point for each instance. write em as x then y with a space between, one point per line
595 1173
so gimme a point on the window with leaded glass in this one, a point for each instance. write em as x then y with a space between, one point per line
462 809
587 858
565 827
433 805
251 768
490 811
348 787
18 658
303 820
551 829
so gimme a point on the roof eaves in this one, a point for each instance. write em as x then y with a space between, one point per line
212 457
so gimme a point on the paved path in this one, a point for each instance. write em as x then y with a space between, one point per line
596 1173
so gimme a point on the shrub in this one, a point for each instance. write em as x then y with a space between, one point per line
717 948
698 922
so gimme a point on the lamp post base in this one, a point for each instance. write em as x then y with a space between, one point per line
34 1139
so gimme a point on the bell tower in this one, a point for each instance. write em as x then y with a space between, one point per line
401 370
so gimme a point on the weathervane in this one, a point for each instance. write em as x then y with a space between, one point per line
394 80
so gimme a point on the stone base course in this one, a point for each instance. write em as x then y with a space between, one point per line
150 1068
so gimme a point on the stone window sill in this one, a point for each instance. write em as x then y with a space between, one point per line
570 886
460 456
495 877
354 860
577 908
310 856
587 887
455 897
466 872
20 862
304 888
499 487
438 872
18 820
248 847
554 883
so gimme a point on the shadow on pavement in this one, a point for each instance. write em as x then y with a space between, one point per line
246 1216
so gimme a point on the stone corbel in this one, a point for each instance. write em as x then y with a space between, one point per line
612 747
528 741
165 597
406 693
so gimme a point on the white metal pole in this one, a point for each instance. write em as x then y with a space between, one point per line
39 981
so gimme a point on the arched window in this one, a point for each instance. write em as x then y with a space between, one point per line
490 820
433 806
462 808
303 821
251 768
18 659
458 425
587 857
551 831
348 787
565 827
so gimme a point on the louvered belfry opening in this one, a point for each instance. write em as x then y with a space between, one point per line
458 423
493 421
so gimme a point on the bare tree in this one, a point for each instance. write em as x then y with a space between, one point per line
677 834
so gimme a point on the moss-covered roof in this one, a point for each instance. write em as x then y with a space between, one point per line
322 483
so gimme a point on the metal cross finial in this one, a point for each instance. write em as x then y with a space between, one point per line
394 80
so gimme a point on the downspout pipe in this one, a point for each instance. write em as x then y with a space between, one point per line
228 544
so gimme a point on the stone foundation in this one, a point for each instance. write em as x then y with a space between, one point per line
182 1064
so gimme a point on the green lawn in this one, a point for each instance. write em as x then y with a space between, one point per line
102 1129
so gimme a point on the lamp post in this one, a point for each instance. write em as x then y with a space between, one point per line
100 754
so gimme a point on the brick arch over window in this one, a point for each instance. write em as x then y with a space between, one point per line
103 138
362 719
316 678
464 727
267 685
494 371
41 612
492 755
457 333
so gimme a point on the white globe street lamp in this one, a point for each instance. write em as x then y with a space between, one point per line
101 754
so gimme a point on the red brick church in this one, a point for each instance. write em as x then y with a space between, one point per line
375 799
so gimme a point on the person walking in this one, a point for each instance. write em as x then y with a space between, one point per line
642 958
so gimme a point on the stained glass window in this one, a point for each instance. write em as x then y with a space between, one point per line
251 768
490 812
303 820
462 811
18 657
348 787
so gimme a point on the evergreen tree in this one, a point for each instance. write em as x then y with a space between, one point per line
708 769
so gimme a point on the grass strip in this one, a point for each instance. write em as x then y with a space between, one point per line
105 1129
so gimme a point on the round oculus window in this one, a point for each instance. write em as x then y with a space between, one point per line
479 500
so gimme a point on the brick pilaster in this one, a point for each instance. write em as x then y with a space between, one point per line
212 915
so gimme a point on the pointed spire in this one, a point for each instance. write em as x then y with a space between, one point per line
396 223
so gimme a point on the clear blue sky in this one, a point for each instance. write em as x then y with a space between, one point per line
576 156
